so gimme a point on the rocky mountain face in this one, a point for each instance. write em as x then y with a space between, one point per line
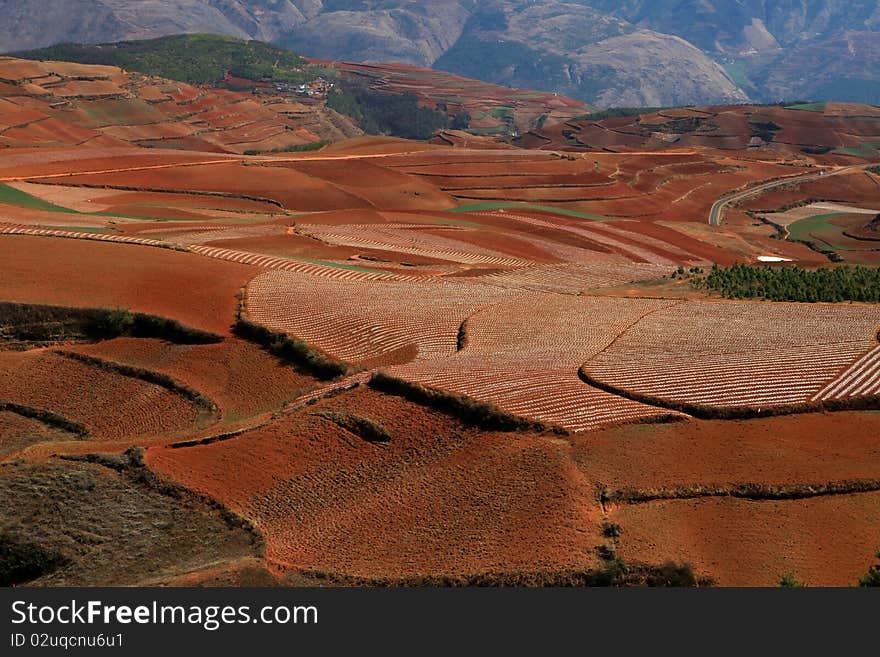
611 52
735 27
574 49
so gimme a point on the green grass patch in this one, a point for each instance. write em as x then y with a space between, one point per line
504 113
336 265
501 205
487 132
869 150
12 196
802 230
458 222
617 112
808 107
15 197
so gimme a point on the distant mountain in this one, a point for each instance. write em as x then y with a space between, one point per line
735 27
612 52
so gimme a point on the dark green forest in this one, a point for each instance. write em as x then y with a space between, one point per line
191 58
790 283
388 114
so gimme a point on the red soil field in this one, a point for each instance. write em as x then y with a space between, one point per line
199 292
529 370
110 405
87 101
726 128
288 188
362 321
440 244
813 448
440 499
354 250
825 541
228 373
18 432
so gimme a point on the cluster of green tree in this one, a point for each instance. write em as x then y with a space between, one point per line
192 58
836 284
298 148
766 130
874 170
389 114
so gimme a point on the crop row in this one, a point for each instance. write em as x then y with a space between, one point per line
783 377
356 320
573 278
110 405
862 378
736 355
551 395
632 251
410 240
522 355
297 266
9 229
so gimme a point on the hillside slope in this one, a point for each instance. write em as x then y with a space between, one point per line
64 104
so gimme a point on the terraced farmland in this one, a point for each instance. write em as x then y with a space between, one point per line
522 356
506 290
735 355
111 406
355 320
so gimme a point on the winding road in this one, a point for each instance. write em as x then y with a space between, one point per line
716 214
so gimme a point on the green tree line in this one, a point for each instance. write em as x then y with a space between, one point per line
791 283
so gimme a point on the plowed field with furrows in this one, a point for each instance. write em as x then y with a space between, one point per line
572 278
358 320
340 272
862 378
521 355
553 395
411 239
438 499
112 406
228 373
744 355
18 432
